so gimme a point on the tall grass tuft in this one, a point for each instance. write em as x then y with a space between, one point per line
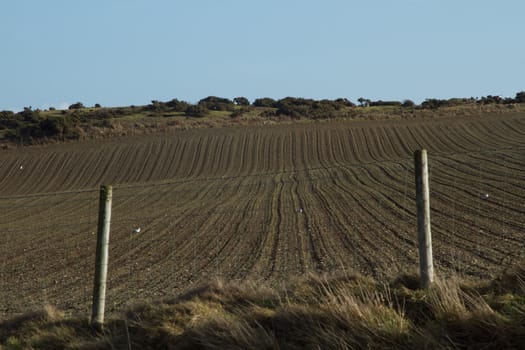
314 312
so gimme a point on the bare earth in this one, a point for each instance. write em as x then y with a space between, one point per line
258 203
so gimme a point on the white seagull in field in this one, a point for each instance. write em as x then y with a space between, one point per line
136 230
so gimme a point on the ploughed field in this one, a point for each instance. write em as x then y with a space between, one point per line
258 203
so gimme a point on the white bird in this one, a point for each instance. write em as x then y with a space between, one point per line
21 167
300 210
485 196
136 230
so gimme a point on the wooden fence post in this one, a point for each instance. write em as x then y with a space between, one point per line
426 265
101 263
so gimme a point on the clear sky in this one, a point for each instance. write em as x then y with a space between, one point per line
124 52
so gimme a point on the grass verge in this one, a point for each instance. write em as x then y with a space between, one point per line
314 312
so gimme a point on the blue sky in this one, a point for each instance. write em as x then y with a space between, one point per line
124 52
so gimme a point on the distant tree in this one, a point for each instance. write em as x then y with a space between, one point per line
6 114
363 102
241 101
520 97
408 103
295 107
489 99
8 120
197 111
97 105
433 103
29 115
298 107
77 105
326 109
52 109
157 106
344 102
265 102
215 103
178 106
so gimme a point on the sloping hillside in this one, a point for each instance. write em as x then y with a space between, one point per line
258 202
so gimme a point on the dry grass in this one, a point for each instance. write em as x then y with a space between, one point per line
315 312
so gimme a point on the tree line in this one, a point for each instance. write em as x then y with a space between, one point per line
297 107
33 123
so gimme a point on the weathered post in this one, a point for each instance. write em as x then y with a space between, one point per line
426 265
101 263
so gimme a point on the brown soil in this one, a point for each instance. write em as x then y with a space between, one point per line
258 203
